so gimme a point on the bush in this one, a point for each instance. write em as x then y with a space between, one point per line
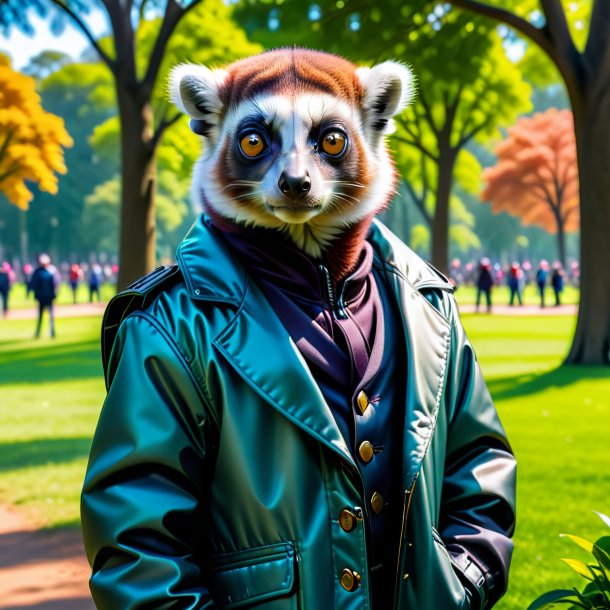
596 594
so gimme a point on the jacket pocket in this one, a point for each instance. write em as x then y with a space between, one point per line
261 577
451 575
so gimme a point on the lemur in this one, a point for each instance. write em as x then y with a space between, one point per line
294 141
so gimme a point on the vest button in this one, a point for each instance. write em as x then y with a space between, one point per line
362 400
365 451
350 580
377 503
347 520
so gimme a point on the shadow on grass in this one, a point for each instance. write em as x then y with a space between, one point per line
51 363
531 383
26 454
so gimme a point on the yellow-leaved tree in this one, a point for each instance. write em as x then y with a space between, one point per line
31 140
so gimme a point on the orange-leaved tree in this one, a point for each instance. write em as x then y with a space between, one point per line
536 174
31 140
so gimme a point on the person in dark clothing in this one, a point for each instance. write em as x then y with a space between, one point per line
541 276
76 275
95 280
6 280
557 283
44 284
484 283
515 283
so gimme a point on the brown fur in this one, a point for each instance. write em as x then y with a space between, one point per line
287 70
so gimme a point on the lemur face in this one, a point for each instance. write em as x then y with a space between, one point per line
294 140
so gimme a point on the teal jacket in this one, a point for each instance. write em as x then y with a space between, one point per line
218 475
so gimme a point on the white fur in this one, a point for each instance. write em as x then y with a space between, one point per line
377 81
191 85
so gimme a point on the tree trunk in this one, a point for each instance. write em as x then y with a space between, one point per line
138 187
440 222
591 343
561 242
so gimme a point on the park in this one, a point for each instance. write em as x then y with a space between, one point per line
502 160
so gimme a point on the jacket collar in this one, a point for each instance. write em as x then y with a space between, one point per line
201 250
261 351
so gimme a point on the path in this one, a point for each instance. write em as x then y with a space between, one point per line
61 311
523 310
41 569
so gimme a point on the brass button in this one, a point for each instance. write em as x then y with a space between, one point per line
350 580
365 451
347 520
362 400
377 502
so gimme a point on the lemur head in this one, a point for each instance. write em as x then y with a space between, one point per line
294 140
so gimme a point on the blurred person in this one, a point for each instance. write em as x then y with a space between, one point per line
484 283
76 275
95 280
7 278
541 277
27 277
515 283
44 286
498 273
557 281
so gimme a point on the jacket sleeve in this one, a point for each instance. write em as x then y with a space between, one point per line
146 490
478 502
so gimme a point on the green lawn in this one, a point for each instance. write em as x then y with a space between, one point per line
558 419
18 298
501 295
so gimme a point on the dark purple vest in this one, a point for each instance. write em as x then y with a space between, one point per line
347 335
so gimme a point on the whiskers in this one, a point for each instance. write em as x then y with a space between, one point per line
240 183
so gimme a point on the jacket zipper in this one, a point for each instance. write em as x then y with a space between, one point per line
403 531
337 307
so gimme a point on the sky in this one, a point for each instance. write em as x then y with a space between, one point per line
22 48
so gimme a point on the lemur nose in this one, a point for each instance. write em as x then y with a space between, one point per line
295 187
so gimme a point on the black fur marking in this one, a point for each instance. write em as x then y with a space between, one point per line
201 128
380 124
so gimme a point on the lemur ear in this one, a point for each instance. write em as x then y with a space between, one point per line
389 88
195 91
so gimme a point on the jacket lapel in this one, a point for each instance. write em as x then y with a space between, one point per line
427 333
260 349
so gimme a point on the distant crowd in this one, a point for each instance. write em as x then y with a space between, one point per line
42 282
485 275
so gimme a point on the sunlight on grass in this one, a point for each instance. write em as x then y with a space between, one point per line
556 418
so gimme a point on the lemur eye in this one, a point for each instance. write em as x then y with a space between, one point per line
334 143
252 144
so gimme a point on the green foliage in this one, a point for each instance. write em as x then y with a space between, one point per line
596 593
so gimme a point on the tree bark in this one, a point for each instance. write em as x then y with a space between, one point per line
137 241
440 222
561 243
591 343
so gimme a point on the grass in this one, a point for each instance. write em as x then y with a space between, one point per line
556 418
18 299
501 295
50 396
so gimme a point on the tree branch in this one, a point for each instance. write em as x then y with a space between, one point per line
466 137
163 125
111 63
173 15
428 113
564 55
7 141
419 147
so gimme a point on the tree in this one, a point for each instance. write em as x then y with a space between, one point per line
134 54
467 88
536 174
585 69
31 140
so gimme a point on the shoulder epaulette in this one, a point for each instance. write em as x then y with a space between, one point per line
134 298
